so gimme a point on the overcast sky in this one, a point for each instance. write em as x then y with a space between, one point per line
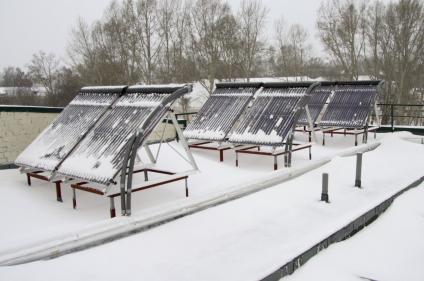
27 26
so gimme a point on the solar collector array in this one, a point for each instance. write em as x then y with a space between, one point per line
52 146
318 99
350 105
103 149
218 115
272 115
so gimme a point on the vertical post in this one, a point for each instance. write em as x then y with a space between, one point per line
236 158
128 203
365 136
289 158
58 191
146 176
310 153
112 207
28 179
358 169
356 139
392 120
275 163
74 198
324 192
323 138
186 186
221 155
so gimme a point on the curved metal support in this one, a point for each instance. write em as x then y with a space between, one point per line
133 156
135 142
130 145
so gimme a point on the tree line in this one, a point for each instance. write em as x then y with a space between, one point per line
165 41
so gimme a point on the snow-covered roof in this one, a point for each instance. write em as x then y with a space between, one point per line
276 223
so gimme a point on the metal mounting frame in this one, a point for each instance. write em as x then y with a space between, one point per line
127 170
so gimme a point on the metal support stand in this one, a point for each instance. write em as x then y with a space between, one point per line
129 161
311 125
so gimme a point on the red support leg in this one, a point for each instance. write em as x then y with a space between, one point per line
28 179
275 163
221 156
74 198
112 207
58 192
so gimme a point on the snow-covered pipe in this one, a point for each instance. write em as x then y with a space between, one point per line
112 229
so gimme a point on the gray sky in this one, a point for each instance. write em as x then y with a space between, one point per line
27 26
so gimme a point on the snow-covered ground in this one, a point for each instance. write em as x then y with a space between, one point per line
245 239
392 248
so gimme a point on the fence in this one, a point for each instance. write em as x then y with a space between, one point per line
402 115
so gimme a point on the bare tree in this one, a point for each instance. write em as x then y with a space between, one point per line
206 19
341 25
43 69
293 49
147 26
251 18
396 39
167 12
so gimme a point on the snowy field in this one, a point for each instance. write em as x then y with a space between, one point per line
245 239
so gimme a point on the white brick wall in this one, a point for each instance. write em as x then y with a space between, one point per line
18 129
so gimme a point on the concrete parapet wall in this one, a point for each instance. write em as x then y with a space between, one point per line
18 129
19 126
